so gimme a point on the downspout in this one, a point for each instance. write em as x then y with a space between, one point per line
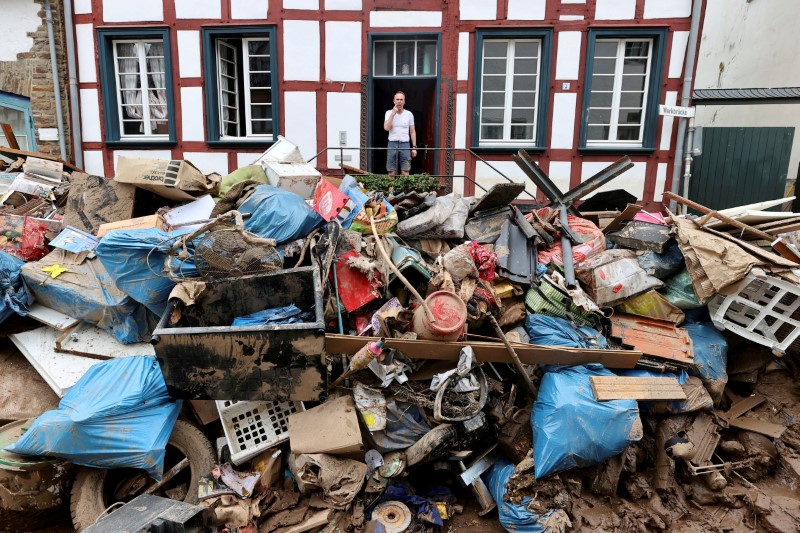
77 141
683 151
56 85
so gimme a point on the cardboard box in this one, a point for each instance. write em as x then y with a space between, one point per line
95 200
151 221
177 180
299 178
328 428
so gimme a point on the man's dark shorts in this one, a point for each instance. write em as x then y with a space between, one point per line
399 152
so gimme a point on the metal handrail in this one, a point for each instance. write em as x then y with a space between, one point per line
342 149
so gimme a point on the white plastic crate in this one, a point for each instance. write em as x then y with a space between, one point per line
252 427
764 309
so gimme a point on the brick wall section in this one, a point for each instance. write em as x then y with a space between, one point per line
32 76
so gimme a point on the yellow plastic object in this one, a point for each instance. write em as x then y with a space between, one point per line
54 270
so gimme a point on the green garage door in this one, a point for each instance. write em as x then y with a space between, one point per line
741 166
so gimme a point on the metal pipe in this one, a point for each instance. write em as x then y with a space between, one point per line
686 98
75 119
56 85
566 250
688 157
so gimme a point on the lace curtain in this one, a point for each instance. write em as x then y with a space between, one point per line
129 79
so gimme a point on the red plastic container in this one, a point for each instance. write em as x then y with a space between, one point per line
450 313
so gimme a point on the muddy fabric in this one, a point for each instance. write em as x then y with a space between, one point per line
717 263
340 479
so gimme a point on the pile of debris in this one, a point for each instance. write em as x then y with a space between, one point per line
390 360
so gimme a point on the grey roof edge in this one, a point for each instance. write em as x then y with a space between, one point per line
754 94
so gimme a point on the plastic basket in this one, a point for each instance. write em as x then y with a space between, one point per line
252 427
764 309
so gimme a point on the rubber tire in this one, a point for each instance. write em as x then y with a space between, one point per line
86 497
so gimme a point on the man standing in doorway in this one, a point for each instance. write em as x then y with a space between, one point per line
399 123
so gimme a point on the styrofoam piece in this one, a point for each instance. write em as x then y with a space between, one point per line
252 427
91 341
299 178
51 317
60 371
764 309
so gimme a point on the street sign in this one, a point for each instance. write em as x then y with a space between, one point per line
675 111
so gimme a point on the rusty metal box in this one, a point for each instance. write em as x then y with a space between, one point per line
203 357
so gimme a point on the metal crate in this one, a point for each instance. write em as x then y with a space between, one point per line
764 309
252 427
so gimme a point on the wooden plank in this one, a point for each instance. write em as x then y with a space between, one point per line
13 154
51 317
630 388
757 426
490 352
8 131
743 405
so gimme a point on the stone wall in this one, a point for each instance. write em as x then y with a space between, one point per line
31 76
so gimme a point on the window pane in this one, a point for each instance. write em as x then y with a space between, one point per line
631 99
132 128
602 83
494 99
628 133
525 83
261 97
522 133
495 49
523 116
230 129
127 50
426 58
635 66
494 66
526 49
155 48
261 111
259 63
491 132
131 112
384 56
605 49
597 133
14 117
600 99
630 116
262 127
492 116
599 116
637 49
494 83
633 82
260 80
523 99
405 59
604 66
258 48
525 66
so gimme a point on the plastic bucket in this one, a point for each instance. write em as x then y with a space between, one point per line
450 313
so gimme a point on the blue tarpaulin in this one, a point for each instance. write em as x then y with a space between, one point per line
278 214
513 517
571 429
14 294
553 331
117 415
290 314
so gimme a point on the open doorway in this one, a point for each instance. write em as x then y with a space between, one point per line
421 101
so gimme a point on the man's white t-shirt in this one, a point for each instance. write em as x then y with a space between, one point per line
400 124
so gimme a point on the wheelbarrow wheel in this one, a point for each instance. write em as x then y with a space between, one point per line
96 489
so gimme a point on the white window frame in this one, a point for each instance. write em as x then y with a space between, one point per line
617 95
220 43
509 94
394 73
144 87
246 100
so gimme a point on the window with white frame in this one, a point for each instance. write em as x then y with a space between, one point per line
509 91
618 101
141 88
244 88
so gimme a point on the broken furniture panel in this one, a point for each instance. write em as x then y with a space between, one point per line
203 357
653 337
94 200
639 235
635 388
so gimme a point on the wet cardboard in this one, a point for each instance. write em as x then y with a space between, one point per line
177 180
95 200
328 428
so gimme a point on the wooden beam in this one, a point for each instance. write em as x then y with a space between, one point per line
8 131
630 388
489 352
13 154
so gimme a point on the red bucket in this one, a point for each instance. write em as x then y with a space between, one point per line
450 313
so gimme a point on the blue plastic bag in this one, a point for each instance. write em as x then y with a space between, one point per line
553 331
664 264
513 517
710 357
135 260
290 314
278 214
14 294
117 415
571 429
